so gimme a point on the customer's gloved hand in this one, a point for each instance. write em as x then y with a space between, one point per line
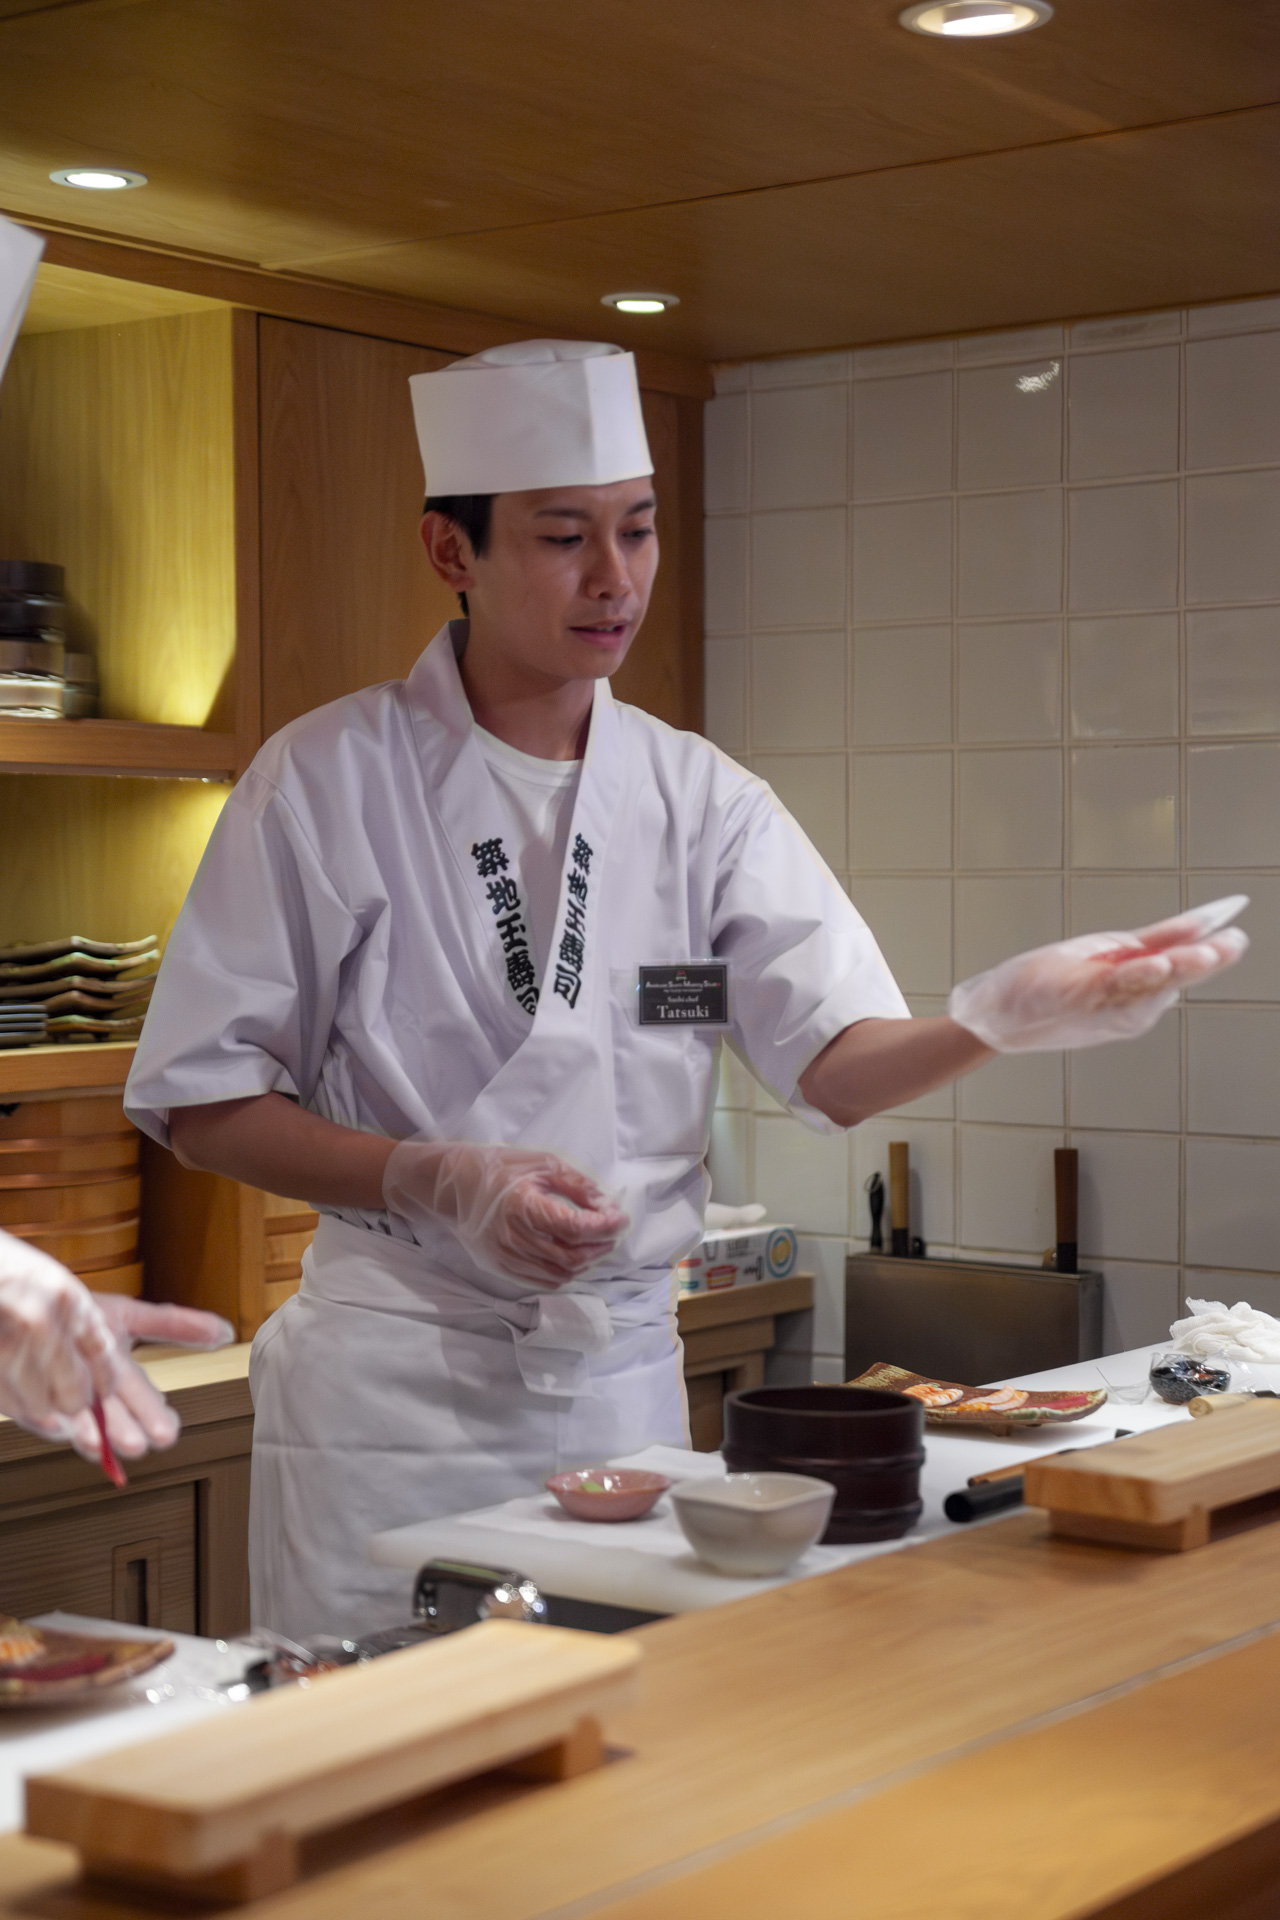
519 1214
1101 986
62 1347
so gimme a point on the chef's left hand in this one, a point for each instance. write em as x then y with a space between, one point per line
520 1213
1101 986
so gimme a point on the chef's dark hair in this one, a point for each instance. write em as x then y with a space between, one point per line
473 512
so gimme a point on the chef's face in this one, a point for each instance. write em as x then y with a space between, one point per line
564 581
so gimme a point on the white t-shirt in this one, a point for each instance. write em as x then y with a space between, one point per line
538 796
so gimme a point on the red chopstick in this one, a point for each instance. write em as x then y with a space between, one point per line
107 1459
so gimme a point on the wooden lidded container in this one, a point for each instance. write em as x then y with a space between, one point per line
70 1173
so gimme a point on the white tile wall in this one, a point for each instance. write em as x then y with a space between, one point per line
800 447
1010 553
1124 677
900 811
798 568
1233 536
798 690
902 561
1233 670
902 436
1124 547
1124 806
1123 413
1010 808
812 787
1009 681
1000 617
911 919
901 686
1010 422
997 917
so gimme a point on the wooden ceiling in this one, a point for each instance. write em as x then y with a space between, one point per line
802 175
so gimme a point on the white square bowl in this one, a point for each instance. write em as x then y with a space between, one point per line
753 1524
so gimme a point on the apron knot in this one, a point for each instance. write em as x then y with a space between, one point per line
553 1333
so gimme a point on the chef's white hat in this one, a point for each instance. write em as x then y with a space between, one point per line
19 257
536 413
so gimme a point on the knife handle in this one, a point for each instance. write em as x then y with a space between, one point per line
975 1502
899 1196
1066 1193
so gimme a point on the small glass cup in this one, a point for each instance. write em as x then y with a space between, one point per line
1125 1376
1179 1378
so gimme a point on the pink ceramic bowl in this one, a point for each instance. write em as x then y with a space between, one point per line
607 1493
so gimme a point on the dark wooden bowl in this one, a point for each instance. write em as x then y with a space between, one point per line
868 1444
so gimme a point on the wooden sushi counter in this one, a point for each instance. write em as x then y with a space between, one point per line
995 1722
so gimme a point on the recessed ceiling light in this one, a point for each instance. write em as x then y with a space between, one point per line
98 179
640 302
976 19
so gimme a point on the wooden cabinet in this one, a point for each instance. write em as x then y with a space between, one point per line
172 1550
235 496
726 1337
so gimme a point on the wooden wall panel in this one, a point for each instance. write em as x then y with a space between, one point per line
663 671
116 462
108 858
348 597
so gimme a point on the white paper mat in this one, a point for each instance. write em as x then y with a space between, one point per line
175 1694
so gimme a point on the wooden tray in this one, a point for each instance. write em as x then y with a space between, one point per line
218 1809
1173 1488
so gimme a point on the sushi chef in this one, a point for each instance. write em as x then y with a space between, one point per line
455 969
61 1346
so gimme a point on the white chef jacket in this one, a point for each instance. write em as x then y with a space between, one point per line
355 938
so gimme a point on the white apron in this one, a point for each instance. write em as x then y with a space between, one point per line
355 939
384 1394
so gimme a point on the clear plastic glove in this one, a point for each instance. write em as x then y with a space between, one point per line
519 1214
62 1347
1102 986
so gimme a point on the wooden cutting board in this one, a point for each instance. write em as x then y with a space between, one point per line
1173 1488
218 1809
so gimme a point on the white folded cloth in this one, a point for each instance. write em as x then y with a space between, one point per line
725 1219
1241 1332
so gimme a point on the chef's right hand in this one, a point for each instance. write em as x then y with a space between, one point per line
56 1350
520 1214
62 1347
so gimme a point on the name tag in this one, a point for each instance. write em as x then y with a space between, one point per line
696 995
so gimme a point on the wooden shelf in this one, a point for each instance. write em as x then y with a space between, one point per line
116 746
86 1064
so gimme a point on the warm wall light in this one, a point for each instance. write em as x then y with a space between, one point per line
640 302
976 19
98 179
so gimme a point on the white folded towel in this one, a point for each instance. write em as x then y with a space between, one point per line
1241 1332
727 1219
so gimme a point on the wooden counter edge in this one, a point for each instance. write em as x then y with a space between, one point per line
201 1387
64 1069
1163 1801
695 1311
1161 1798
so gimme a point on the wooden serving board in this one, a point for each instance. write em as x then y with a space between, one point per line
217 1810
1173 1488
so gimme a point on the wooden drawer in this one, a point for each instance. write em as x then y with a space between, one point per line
126 1557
